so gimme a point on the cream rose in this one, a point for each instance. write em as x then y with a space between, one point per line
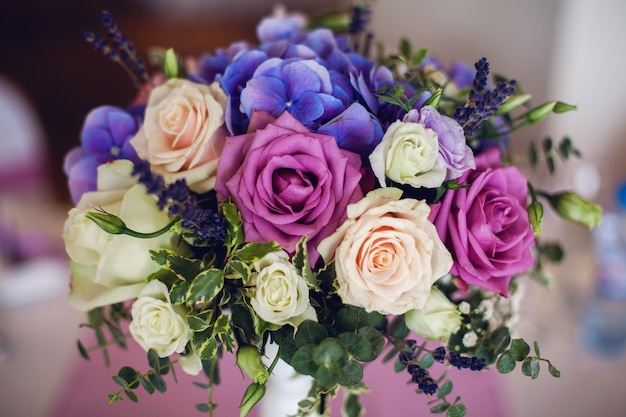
281 295
183 132
408 154
437 320
106 268
156 323
387 254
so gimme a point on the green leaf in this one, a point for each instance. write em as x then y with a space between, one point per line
440 408
197 324
82 350
234 228
405 47
531 367
352 406
146 384
205 286
351 374
184 268
170 64
204 407
253 395
457 410
346 320
376 339
553 371
536 347
131 396
158 382
519 349
303 266
178 292
129 375
505 363
208 349
310 332
302 361
533 155
397 327
419 56
114 397
445 389
153 359
358 346
427 361
561 107
120 381
252 252
433 100
237 269
330 354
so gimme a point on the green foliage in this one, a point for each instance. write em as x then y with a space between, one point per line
549 153
519 351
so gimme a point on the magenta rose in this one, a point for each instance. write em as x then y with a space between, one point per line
486 226
288 182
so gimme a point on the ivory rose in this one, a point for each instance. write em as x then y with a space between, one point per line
107 268
437 320
387 254
281 295
183 132
157 323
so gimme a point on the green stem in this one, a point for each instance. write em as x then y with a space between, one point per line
157 233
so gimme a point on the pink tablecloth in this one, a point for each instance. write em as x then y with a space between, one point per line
84 393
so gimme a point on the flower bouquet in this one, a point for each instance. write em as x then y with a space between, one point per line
298 193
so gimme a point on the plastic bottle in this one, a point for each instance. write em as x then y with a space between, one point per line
604 320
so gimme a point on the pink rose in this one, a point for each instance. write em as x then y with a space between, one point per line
387 253
288 182
486 226
183 132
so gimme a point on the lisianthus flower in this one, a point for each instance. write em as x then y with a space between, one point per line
105 137
387 253
288 182
486 226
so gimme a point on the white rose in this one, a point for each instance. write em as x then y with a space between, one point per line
281 295
183 132
387 254
408 154
437 320
156 323
106 268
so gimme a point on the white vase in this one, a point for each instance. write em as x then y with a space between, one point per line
285 388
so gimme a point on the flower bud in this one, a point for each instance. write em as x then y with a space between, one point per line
540 112
107 222
574 208
535 215
437 320
253 395
249 361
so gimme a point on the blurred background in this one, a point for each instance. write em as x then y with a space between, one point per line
571 50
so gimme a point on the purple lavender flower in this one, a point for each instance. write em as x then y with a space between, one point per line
105 137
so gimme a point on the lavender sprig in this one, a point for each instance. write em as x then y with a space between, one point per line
121 50
482 104
179 201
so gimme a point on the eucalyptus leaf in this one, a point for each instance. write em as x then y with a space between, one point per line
531 367
131 396
158 381
146 384
427 361
302 360
352 406
82 350
351 374
553 371
458 410
310 332
445 389
505 363
440 408
519 349
375 338
129 375
358 346
346 320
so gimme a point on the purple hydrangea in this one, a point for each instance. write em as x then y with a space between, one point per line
105 137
